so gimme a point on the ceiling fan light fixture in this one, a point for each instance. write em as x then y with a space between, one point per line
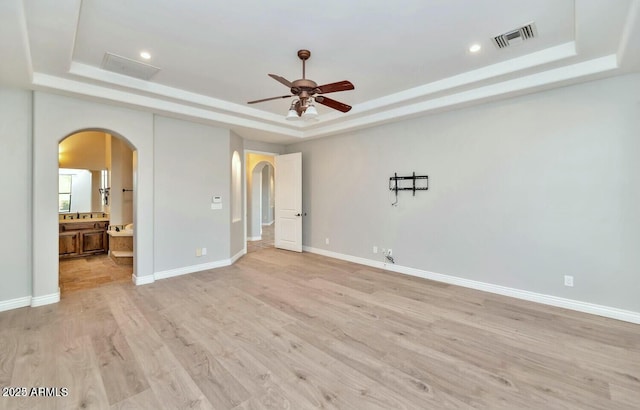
292 115
310 112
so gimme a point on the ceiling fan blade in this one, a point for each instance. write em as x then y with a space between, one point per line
336 105
335 87
281 80
269 99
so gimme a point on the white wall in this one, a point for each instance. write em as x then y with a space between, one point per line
192 164
522 192
260 146
54 118
15 206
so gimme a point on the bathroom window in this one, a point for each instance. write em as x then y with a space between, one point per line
64 193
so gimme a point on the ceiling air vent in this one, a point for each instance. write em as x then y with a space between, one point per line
129 67
516 36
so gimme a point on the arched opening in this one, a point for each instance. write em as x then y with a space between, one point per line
95 209
260 201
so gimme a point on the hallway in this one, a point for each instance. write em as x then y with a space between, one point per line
267 240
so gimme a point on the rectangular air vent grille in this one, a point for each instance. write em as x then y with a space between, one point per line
515 36
129 67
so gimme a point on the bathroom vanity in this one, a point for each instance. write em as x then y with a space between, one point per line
83 236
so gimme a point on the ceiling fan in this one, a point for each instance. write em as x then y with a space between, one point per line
308 91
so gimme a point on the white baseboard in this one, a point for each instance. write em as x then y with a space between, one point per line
145 280
268 223
45 299
254 238
600 310
15 303
193 268
237 256
142 280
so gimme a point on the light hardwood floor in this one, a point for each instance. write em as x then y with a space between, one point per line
280 330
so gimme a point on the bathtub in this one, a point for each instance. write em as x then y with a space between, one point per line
120 230
121 244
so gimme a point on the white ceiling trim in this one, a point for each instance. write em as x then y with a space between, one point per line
49 82
162 91
550 55
528 83
514 65
563 64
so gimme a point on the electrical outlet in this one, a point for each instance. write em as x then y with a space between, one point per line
326 241
568 280
375 249
198 251
204 251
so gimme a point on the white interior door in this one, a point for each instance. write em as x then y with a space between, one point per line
288 202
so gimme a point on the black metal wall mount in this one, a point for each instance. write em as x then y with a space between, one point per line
408 183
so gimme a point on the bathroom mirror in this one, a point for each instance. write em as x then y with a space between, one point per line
78 190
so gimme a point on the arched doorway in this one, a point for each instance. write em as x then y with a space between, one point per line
260 200
96 210
54 118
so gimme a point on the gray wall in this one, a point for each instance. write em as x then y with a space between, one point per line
522 192
192 164
15 185
54 118
264 147
173 214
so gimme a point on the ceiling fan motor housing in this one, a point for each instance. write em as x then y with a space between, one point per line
304 86
306 89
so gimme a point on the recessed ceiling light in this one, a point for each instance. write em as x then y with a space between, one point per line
145 55
474 48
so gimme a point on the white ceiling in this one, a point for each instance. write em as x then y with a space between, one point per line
405 58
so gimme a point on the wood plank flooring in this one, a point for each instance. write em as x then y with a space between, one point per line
280 330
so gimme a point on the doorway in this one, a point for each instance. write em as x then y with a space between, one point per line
95 205
260 197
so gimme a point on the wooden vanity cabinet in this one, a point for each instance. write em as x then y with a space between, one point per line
83 238
69 244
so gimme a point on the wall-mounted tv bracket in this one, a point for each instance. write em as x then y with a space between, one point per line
408 183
